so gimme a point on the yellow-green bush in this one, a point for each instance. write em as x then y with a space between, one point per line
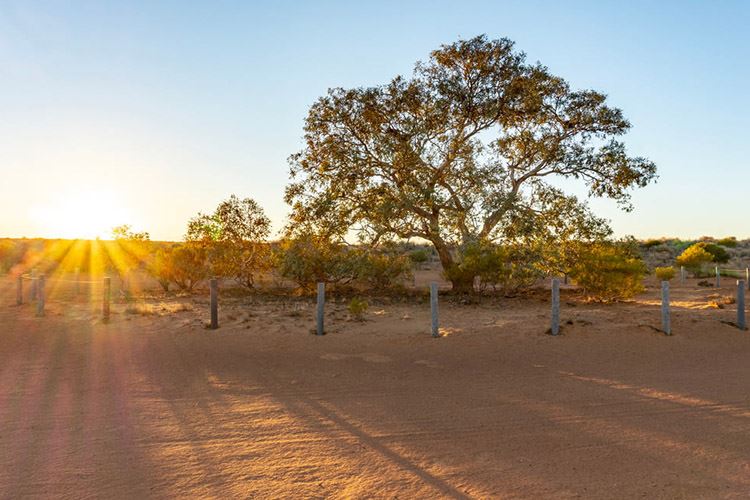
695 257
608 271
664 273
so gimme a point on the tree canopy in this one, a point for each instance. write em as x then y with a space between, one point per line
469 148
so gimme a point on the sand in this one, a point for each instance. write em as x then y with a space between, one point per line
155 405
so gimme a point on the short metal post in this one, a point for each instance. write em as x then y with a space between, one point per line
40 295
555 326
213 285
747 277
666 325
32 296
741 304
434 309
320 311
19 291
718 277
682 275
106 297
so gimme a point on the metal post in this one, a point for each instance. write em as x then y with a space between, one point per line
434 309
320 311
555 326
32 296
19 291
213 285
106 296
682 275
666 325
747 277
40 295
741 305
718 277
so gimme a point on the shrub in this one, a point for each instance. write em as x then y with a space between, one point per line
419 257
719 254
357 308
188 265
729 242
608 270
310 259
652 243
161 268
381 271
665 273
506 268
697 255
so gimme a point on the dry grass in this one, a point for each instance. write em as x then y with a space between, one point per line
160 309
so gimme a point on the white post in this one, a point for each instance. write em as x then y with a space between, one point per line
320 313
718 277
666 325
555 326
32 297
741 305
213 285
682 275
434 309
19 291
40 295
106 296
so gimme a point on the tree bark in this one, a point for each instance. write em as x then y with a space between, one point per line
460 282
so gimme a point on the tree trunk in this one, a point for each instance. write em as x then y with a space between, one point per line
461 282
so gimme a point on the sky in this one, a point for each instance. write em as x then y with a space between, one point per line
148 112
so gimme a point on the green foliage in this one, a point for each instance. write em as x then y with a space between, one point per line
608 270
729 242
188 265
652 243
419 257
381 270
697 255
310 259
234 237
718 253
357 308
665 273
462 151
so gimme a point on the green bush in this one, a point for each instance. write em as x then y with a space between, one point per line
664 273
505 268
311 259
729 242
608 271
381 271
697 255
357 308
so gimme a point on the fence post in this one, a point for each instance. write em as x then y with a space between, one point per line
555 326
40 295
434 309
320 311
106 297
19 291
682 275
213 285
747 277
32 295
666 325
741 305
718 277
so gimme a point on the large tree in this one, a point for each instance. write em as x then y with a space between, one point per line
468 149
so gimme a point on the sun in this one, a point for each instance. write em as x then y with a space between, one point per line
80 214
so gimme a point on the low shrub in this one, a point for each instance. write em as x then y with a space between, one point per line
695 257
357 308
664 273
608 271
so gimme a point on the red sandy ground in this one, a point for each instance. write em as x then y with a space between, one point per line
155 405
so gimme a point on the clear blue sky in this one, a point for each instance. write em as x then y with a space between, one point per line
148 112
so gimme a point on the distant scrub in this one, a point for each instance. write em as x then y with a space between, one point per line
609 271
